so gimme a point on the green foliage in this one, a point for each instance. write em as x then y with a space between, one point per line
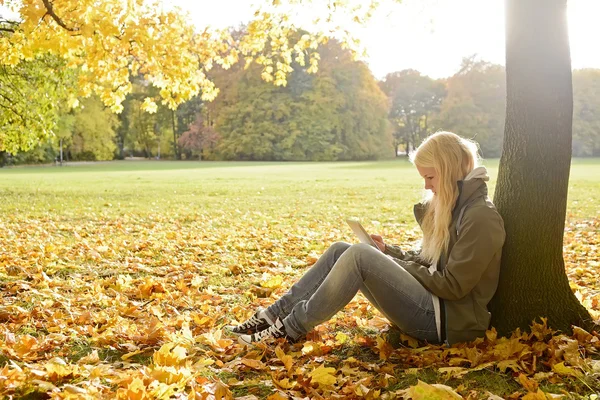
414 98
586 112
141 132
475 105
93 131
32 96
337 114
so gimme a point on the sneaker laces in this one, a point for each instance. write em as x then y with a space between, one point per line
252 322
273 331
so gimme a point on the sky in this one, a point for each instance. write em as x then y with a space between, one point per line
431 36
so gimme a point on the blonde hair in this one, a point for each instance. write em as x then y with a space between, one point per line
452 157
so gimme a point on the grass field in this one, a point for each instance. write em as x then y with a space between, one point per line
375 190
105 264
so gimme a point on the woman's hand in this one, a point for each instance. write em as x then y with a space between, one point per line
379 242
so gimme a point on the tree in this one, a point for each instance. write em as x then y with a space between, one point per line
110 41
414 98
475 104
31 95
186 115
531 193
338 114
93 132
198 137
586 112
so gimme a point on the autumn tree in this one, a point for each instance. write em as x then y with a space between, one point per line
107 42
413 99
93 132
475 104
199 136
533 180
337 114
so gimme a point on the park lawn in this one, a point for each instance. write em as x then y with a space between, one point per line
106 267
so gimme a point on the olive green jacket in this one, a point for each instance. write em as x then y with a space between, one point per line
467 277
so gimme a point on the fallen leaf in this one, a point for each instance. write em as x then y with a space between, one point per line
425 391
323 375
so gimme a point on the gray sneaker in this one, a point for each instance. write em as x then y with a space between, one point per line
277 330
258 322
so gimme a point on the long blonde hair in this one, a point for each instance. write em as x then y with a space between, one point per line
452 157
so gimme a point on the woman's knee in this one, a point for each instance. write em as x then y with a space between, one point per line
360 248
340 247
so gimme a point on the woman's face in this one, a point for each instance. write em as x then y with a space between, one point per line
430 177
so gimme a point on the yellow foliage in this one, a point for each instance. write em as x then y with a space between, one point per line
425 391
323 375
170 355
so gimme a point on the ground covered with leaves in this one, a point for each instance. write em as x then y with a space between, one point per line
117 281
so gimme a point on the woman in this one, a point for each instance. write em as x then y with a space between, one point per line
438 294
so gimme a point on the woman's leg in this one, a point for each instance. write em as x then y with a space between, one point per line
400 297
309 283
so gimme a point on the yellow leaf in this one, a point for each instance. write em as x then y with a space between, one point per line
92 358
323 375
411 341
562 369
285 359
272 283
529 384
149 105
512 364
285 383
24 345
341 338
539 395
135 390
254 364
311 348
170 375
385 349
425 391
127 356
213 339
278 396
169 355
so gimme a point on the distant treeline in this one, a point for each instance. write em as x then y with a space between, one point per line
340 113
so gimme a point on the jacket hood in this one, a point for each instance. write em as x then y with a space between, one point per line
478 173
472 186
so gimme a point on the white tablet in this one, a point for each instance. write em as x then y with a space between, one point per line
362 234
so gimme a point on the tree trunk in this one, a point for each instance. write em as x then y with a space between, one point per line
531 193
176 154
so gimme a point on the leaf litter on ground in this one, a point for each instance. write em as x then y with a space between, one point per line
92 310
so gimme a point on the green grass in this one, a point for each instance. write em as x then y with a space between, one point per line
377 191
293 203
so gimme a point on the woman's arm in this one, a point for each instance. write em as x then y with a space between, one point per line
481 238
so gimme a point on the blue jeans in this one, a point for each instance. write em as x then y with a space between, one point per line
339 274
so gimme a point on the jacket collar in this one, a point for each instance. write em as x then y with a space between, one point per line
470 188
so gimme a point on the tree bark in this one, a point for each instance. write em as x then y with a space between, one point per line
531 193
176 154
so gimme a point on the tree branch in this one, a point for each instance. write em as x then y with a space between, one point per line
7 25
56 18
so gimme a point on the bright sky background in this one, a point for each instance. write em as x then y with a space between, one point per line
431 36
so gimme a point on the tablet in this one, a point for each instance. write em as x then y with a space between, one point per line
360 231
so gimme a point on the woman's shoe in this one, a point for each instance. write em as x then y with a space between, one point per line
258 322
